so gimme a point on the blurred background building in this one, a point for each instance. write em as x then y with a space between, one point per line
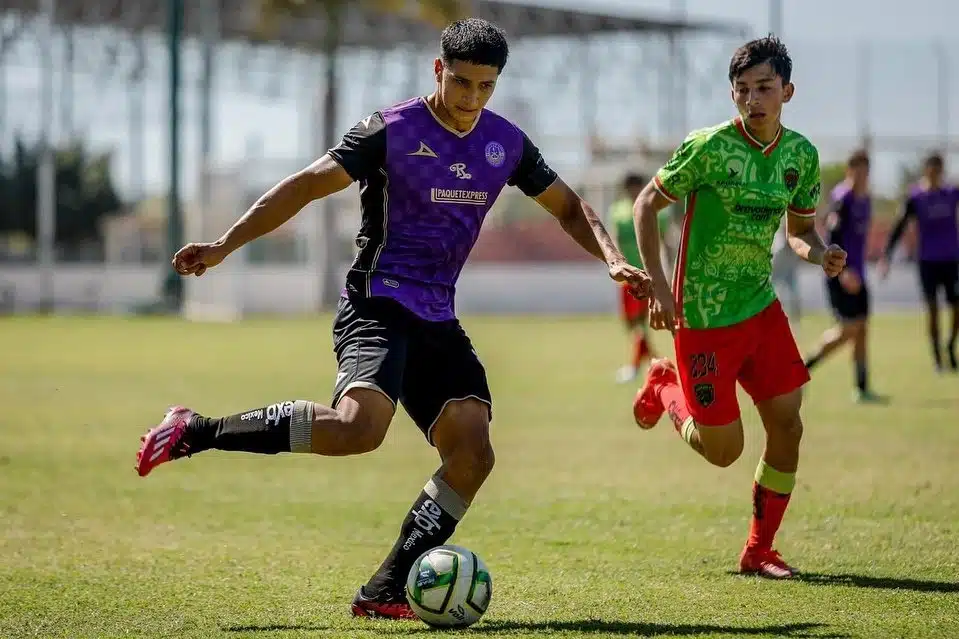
101 178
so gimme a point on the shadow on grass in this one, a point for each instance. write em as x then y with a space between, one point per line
883 583
278 627
603 628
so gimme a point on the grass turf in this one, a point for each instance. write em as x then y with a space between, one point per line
590 527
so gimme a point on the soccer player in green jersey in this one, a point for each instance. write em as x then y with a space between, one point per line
633 310
738 179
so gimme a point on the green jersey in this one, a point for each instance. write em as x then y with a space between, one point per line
621 215
737 190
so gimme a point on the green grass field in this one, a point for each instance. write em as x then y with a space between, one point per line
590 527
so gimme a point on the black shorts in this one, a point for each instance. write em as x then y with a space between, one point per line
381 345
936 275
847 306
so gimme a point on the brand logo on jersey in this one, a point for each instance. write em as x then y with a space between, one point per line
424 151
791 179
757 213
458 196
460 170
733 175
391 283
495 154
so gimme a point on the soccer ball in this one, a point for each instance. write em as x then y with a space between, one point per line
449 587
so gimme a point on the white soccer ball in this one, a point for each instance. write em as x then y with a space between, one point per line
449 587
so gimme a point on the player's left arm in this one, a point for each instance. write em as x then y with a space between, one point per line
803 237
535 178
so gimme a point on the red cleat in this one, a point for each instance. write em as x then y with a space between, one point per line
765 563
648 408
164 442
383 608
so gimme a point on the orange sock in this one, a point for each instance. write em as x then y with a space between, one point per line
771 492
675 403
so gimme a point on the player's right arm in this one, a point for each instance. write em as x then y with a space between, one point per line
680 176
361 151
908 212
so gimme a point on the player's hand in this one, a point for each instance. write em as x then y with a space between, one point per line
833 260
662 311
636 279
196 258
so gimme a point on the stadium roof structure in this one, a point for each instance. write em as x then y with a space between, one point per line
362 27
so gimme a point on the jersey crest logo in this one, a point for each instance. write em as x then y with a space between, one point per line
791 178
460 170
705 394
424 151
495 154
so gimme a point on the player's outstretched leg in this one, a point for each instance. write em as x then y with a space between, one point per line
357 426
461 436
662 392
774 482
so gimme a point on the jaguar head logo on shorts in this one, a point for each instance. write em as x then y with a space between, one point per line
791 178
705 394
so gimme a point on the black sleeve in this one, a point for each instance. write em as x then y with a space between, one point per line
908 211
532 175
362 151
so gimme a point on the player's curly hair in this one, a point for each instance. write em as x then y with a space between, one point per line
755 52
476 41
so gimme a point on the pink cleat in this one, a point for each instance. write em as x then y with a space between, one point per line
164 442
648 407
765 562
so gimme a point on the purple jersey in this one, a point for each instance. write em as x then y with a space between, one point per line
854 214
935 211
425 190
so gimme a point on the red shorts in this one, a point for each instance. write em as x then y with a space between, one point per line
760 353
631 308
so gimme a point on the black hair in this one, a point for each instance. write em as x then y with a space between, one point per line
859 157
755 52
934 160
476 41
632 180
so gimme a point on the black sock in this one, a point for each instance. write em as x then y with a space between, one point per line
862 377
953 356
430 523
278 428
812 360
936 350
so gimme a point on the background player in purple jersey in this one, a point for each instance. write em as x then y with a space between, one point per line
429 170
934 206
850 216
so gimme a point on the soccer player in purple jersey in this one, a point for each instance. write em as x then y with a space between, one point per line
934 206
429 170
849 219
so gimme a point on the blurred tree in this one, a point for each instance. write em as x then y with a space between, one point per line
435 12
85 193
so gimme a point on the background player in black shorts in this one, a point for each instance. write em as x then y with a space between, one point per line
849 218
429 170
934 206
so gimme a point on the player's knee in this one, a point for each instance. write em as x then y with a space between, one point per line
461 435
365 415
723 452
724 456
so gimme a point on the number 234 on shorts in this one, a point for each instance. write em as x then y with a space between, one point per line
760 353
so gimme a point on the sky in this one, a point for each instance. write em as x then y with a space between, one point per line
855 69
